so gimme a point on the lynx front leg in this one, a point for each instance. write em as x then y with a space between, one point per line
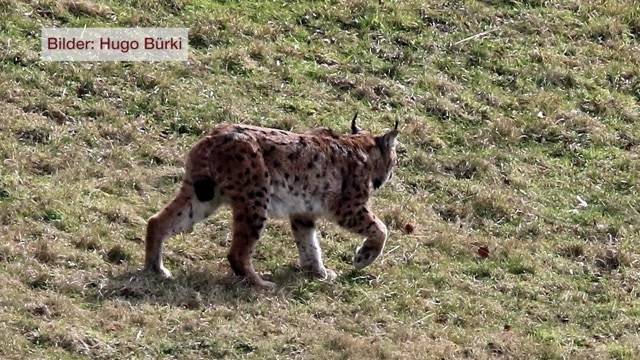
364 222
304 232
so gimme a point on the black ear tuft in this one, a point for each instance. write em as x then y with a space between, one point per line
354 128
395 127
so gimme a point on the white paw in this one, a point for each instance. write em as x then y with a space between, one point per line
330 275
322 274
266 285
159 270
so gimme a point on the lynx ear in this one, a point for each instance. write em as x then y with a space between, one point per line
354 128
388 140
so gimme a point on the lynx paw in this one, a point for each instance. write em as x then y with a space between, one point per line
365 256
159 270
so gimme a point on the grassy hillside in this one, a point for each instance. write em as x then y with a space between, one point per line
514 217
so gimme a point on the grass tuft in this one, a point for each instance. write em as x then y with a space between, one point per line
117 255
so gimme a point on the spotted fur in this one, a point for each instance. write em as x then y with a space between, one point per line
262 173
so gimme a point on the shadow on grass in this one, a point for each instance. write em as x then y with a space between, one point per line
198 288
189 288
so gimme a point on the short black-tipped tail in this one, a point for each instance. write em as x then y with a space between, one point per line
204 188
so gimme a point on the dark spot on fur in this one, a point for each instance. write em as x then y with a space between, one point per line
303 223
345 183
238 198
179 213
296 178
377 183
204 188
276 164
268 151
310 165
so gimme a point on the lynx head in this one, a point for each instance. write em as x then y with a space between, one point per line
383 155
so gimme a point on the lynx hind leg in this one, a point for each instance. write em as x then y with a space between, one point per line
179 215
305 235
363 222
248 223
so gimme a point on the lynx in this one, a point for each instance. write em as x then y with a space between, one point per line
268 173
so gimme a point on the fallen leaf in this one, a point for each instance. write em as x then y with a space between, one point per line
483 251
409 228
